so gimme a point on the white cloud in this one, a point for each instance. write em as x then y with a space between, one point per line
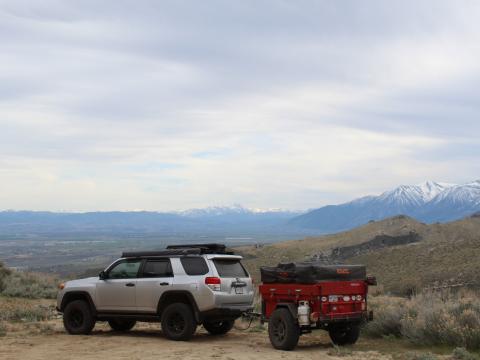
272 104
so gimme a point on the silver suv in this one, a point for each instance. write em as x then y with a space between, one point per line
181 287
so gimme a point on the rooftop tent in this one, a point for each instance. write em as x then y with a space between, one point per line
311 272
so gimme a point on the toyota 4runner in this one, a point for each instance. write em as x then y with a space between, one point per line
180 287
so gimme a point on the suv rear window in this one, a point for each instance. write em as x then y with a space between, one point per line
230 268
194 265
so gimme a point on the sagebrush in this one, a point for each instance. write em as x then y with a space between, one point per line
27 285
434 318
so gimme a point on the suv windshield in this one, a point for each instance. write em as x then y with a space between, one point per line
230 268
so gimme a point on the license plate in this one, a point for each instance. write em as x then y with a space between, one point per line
239 290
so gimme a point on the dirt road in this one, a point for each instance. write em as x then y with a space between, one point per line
145 341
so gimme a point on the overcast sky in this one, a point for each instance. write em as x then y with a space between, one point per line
167 105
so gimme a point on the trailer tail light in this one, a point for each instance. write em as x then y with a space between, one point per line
359 297
347 298
213 283
324 299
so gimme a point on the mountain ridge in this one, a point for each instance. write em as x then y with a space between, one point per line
429 201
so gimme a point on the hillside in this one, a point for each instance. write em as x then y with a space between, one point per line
404 254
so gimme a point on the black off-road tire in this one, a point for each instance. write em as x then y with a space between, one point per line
218 327
118 324
178 322
283 330
78 318
344 334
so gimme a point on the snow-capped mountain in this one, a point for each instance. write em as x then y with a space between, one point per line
429 201
457 201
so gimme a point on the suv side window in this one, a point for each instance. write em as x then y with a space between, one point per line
157 268
194 265
125 270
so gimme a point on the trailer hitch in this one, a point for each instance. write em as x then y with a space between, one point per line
248 316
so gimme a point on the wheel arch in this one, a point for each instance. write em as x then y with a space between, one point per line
77 295
178 296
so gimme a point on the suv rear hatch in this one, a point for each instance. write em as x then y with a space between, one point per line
236 284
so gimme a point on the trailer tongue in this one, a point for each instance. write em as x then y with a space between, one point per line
300 297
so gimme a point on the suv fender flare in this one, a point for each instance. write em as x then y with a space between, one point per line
291 307
181 295
78 295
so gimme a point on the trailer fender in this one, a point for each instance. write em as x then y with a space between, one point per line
291 307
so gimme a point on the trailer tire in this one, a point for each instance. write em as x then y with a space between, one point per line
283 330
344 334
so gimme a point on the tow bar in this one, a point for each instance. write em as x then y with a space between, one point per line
248 316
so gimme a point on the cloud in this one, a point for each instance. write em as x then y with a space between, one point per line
170 105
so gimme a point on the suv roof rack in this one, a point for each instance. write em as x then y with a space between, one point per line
136 254
179 250
211 248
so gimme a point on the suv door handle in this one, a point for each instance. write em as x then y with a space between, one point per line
129 284
164 283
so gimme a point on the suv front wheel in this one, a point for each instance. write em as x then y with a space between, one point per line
78 318
218 327
178 322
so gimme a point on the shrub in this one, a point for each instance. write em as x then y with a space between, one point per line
4 272
3 329
29 285
421 356
463 354
451 319
25 310
389 312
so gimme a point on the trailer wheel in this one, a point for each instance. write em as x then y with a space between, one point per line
283 330
344 334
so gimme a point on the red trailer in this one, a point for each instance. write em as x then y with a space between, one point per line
298 298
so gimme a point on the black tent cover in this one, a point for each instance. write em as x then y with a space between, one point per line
311 273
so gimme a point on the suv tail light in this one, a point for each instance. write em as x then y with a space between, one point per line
371 280
213 283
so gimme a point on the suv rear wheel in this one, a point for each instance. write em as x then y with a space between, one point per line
283 330
178 322
121 324
345 334
78 318
218 327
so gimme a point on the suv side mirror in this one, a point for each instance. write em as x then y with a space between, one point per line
102 275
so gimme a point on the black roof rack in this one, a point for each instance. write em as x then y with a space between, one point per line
205 248
179 250
136 254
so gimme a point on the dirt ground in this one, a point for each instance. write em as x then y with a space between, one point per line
47 340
